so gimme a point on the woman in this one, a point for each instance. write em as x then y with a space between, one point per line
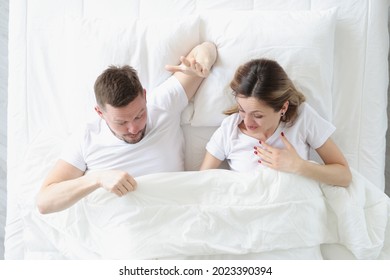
273 126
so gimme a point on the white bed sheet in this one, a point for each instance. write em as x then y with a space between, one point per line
221 214
359 85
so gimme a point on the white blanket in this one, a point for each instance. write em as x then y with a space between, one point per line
217 212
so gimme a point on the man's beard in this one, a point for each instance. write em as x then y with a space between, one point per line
131 138
134 138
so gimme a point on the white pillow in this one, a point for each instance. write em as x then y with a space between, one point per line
301 41
146 45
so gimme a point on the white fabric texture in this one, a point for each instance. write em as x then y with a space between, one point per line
161 150
221 212
309 130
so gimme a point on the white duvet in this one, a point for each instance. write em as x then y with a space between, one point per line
220 212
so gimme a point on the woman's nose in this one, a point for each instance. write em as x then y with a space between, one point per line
248 119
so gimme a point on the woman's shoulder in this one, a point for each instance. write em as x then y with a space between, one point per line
309 116
304 106
306 110
306 114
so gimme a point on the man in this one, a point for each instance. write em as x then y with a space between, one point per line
133 136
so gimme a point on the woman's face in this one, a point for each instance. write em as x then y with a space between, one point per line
259 119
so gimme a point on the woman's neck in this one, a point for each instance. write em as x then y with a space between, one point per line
259 135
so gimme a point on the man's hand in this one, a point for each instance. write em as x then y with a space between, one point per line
198 62
189 66
115 181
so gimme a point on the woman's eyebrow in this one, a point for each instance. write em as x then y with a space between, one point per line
255 111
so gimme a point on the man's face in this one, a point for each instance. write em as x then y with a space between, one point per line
128 123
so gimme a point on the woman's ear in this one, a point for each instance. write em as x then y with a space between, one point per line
285 106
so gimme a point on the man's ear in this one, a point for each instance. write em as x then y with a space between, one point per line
99 111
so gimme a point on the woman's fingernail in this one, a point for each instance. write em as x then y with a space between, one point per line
282 133
259 161
255 152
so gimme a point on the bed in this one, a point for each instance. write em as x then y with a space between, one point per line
335 52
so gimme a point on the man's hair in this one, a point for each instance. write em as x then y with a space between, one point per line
117 86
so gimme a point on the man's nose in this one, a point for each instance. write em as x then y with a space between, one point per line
132 128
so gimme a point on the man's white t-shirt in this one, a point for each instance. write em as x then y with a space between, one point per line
161 149
309 131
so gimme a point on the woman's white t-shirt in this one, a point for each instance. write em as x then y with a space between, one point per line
161 150
309 130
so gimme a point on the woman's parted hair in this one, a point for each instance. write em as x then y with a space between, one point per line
117 86
267 81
